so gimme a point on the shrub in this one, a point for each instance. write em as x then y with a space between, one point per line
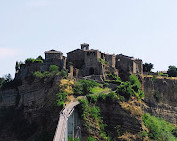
135 82
53 68
29 61
39 59
92 98
129 88
61 96
125 90
64 73
38 74
83 87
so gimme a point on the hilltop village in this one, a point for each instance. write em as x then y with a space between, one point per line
110 90
85 62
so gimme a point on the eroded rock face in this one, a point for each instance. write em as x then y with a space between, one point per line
34 108
113 115
161 98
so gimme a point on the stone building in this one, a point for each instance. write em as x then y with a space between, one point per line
87 60
53 57
128 65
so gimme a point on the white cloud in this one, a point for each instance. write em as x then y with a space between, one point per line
7 52
36 3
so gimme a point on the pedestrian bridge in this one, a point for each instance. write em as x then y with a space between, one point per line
68 124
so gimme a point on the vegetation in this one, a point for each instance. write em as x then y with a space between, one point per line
8 83
91 115
172 71
113 78
159 129
102 61
147 67
84 87
17 65
53 70
65 89
130 88
71 139
162 74
39 59
61 96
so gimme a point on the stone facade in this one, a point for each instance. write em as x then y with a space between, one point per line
128 65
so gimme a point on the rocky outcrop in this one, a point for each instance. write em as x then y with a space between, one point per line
161 98
33 110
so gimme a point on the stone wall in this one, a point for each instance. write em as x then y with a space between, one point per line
76 57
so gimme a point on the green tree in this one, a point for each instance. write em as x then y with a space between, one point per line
147 67
172 71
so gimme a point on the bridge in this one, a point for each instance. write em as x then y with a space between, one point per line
68 124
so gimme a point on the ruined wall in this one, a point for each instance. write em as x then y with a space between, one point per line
161 98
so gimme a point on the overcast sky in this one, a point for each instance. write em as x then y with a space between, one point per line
145 29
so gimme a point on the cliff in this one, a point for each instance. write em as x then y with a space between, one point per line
161 97
29 111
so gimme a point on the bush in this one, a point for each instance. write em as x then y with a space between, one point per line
61 96
130 88
38 74
125 90
64 73
135 82
83 87
92 98
39 59
29 61
53 68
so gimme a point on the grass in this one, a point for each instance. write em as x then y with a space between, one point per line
97 90
159 129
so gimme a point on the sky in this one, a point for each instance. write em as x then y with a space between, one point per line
145 29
